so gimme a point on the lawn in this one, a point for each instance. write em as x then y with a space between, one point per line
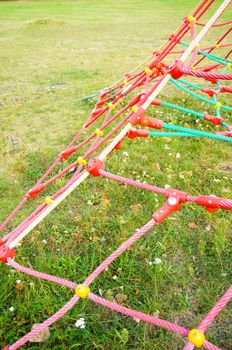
52 54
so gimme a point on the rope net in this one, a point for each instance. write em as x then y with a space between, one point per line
122 111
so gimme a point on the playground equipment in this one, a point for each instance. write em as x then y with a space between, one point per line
137 91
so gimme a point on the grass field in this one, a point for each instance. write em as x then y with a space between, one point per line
53 53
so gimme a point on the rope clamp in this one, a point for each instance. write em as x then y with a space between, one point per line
81 160
82 291
99 132
196 337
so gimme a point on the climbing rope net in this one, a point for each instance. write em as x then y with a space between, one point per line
126 106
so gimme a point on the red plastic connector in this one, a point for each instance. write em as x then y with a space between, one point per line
151 122
118 145
136 116
156 102
212 80
173 38
213 119
229 128
133 133
174 200
1 242
211 203
175 69
225 88
6 347
135 100
94 166
34 192
5 253
67 152
210 92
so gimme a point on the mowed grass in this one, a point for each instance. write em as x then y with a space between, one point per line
53 53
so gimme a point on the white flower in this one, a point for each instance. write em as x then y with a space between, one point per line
11 309
115 277
90 202
166 186
178 155
18 281
157 261
125 154
80 323
44 241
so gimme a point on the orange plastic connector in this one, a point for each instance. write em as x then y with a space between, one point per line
67 152
208 91
5 253
174 200
34 192
151 122
175 69
211 203
94 166
156 102
224 88
136 117
133 133
215 120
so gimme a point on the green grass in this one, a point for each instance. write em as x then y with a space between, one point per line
53 53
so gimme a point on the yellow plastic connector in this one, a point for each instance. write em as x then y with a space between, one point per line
48 200
111 105
228 65
193 67
120 100
217 105
191 19
81 160
99 132
196 337
82 291
134 108
216 46
125 83
148 71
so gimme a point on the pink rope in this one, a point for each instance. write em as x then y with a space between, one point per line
141 232
14 212
41 275
89 280
45 324
206 75
212 314
140 315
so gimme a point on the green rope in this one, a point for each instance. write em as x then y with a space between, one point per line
196 132
190 92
